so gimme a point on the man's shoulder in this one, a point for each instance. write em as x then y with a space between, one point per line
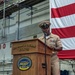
54 35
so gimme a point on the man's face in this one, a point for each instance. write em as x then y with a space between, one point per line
46 30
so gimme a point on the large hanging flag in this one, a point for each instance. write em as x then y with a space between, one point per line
63 23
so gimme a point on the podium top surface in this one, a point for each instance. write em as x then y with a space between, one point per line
26 41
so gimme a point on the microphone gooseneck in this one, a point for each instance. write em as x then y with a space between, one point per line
45 34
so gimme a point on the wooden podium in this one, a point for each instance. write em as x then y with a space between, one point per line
29 58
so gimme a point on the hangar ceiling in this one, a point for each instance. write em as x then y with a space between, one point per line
15 5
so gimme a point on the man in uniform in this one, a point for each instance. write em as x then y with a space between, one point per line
54 42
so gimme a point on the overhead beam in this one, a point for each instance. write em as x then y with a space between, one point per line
15 7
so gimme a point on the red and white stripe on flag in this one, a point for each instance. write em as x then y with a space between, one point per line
63 21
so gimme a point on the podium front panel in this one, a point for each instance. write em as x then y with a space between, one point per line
29 57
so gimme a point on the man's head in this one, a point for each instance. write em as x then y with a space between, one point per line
45 26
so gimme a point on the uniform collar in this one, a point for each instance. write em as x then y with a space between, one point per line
49 36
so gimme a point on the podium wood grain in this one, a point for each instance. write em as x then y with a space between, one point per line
35 50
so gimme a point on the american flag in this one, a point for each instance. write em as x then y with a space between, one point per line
63 23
